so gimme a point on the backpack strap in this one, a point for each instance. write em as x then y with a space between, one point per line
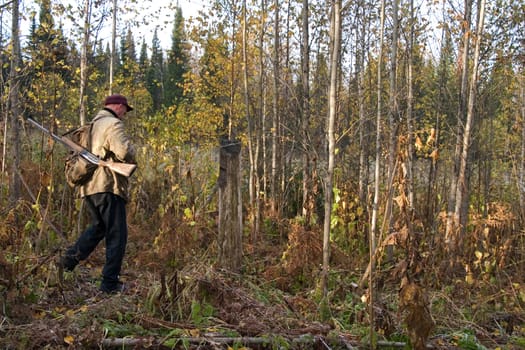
89 137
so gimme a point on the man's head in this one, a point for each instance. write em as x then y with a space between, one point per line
118 103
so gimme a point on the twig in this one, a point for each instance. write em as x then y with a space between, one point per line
6 5
346 343
324 343
34 268
163 323
56 229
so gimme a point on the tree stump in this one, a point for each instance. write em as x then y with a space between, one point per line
230 206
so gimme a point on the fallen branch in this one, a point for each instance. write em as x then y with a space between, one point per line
391 344
122 342
304 339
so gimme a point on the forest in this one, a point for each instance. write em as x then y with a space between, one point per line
311 174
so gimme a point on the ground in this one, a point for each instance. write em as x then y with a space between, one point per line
198 306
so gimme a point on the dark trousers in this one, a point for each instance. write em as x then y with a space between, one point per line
108 221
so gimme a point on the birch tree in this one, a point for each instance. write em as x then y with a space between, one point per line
260 128
274 182
410 109
393 120
462 191
375 205
335 36
307 206
364 129
252 178
452 224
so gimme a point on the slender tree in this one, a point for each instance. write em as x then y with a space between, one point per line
375 205
393 122
113 39
307 205
252 178
364 128
335 34
521 174
410 110
14 103
261 171
274 181
453 220
462 191
84 61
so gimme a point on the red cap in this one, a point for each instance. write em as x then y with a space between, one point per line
117 99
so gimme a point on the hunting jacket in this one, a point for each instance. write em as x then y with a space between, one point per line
109 142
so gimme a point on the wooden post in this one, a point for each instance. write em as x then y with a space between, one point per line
230 206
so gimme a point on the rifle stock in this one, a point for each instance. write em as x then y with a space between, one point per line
125 169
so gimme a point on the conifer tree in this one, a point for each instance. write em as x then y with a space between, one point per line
101 63
177 63
143 61
155 73
128 56
48 66
46 43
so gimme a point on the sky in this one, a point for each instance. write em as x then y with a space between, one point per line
147 16
160 9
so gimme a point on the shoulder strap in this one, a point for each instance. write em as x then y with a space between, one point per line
89 137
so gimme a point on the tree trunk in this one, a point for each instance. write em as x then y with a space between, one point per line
393 122
440 110
462 192
452 225
375 208
521 182
252 177
332 98
364 153
274 181
260 130
308 206
14 102
231 132
113 38
230 207
84 61
410 117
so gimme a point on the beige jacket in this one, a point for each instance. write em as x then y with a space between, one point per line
109 142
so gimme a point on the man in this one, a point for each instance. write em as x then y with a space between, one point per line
106 195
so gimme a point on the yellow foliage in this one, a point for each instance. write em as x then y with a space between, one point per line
69 339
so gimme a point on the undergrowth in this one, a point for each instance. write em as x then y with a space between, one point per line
177 298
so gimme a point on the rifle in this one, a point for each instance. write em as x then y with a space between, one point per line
125 169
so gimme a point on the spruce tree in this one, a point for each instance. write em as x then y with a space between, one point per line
143 61
155 73
177 63
47 46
